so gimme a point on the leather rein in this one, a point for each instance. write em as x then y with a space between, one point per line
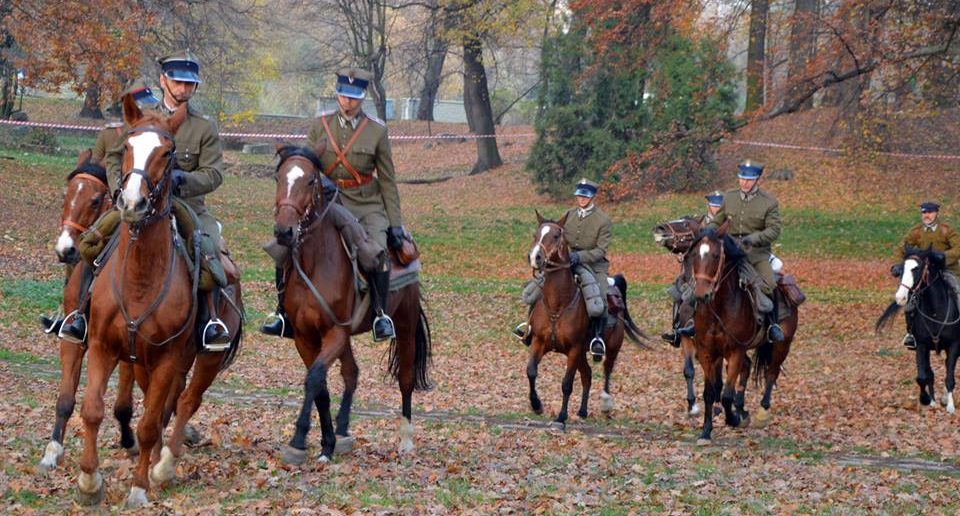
922 284
549 266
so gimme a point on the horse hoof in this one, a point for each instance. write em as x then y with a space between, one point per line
606 403
323 459
694 410
134 450
137 498
90 499
164 470
51 456
344 444
558 425
294 456
744 421
763 416
583 414
89 489
191 436
704 441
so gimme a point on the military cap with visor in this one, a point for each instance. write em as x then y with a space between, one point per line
141 94
750 169
586 188
352 82
929 206
714 199
180 66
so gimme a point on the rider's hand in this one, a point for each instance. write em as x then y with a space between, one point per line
938 256
177 177
748 241
897 270
394 237
574 259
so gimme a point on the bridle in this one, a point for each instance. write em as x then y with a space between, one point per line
549 264
306 215
104 206
154 190
713 279
923 283
676 238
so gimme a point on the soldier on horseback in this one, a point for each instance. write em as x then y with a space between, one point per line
941 238
355 145
587 230
197 171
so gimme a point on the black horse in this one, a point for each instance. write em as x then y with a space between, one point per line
932 316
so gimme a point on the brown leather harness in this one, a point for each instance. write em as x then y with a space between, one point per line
358 178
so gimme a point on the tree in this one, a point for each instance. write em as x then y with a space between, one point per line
756 54
7 70
802 41
476 102
63 46
435 46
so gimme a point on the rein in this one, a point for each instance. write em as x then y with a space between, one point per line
716 279
550 266
922 285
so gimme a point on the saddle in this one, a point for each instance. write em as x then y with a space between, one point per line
787 284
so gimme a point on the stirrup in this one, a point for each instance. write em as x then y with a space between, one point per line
521 330
770 330
596 343
66 322
909 341
283 324
56 322
388 331
214 346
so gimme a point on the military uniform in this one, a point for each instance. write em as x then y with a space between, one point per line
938 237
375 199
589 237
109 137
757 215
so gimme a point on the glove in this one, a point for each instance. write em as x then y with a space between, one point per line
897 270
178 178
938 256
574 259
394 237
748 241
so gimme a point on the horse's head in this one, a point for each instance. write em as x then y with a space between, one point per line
87 197
549 244
676 235
917 267
299 192
145 174
711 251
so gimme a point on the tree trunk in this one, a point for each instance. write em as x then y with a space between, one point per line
437 54
756 54
802 47
476 101
91 103
8 95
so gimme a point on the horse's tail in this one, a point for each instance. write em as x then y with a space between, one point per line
762 358
423 353
631 330
886 319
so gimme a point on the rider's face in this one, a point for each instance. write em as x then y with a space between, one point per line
713 209
928 217
349 107
747 184
583 201
176 92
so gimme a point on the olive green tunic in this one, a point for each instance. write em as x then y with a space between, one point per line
377 203
757 215
110 136
942 238
589 237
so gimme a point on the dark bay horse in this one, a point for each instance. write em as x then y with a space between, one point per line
677 235
559 322
323 306
726 329
87 197
143 309
934 320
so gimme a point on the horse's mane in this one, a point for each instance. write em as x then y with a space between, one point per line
293 150
733 251
90 167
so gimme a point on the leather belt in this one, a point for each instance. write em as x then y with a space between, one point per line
346 184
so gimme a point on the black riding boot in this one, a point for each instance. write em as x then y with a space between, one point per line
279 326
74 326
379 287
523 331
774 331
673 336
598 348
214 335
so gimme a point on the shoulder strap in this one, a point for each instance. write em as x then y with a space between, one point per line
342 154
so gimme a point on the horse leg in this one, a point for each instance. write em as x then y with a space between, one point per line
606 399
742 391
924 375
780 352
150 427
734 363
689 372
405 348
586 380
204 373
316 393
566 386
123 409
950 381
71 360
711 392
536 354
99 368
350 373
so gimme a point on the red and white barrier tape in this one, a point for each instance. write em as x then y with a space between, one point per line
281 136
838 151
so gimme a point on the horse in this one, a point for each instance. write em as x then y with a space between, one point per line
143 311
324 307
87 197
559 322
726 329
677 235
934 320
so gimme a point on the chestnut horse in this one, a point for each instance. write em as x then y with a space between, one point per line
559 322
726 329
87 197
677 235
324 308
934 320
143 310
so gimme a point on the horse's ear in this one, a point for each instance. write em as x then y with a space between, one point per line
177 118
722 230
131 111
540 218
84 157
563 220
